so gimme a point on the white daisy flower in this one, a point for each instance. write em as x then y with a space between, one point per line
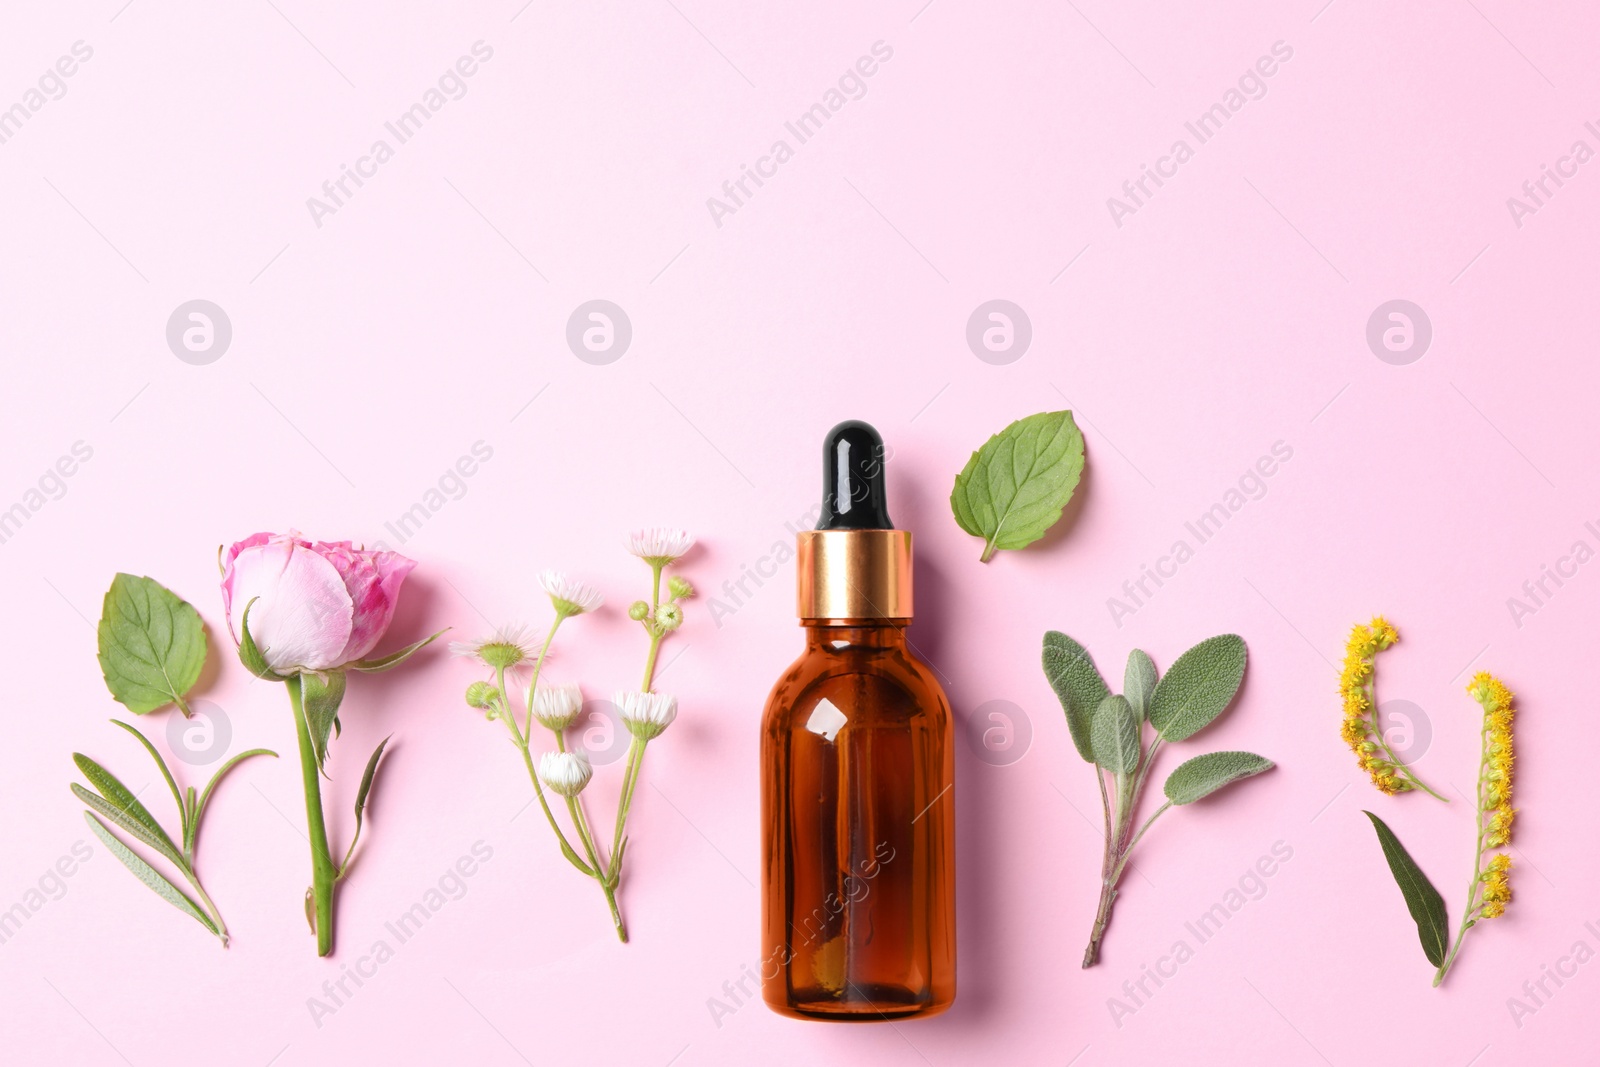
660 545
555 706
646 714
566 772
503 649
571 597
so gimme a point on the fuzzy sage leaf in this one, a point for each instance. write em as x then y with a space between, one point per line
152 644
1013 488
1198 687
1138 682
1422 899
1078 685
1204 775
1114 734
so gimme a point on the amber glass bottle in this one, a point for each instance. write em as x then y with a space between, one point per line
857 775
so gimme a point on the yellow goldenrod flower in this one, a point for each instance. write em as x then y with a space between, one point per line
1360 729
1490 890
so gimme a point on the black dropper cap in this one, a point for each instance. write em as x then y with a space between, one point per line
852 479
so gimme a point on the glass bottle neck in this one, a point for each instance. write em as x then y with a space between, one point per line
832 635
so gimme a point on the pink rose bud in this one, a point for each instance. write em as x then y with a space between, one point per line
316 605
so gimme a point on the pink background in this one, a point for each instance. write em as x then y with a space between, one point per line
428 313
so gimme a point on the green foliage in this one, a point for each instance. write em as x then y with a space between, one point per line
152 644
1013 488
1422 899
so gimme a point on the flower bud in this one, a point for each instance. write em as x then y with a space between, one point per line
481 695
669 617
555 706
679 587
638 611
565 772
646 715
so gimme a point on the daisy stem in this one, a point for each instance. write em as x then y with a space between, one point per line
602 877
630 778
656 633
527 759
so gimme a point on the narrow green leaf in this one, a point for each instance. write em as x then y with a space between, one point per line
1198 687
199 807
1078 685
250 654
149 875
1204 775
183 812
131 826
1115 736
121 798
1013 488
361 802
152 644
322 694
1422 899
394 659
1138 682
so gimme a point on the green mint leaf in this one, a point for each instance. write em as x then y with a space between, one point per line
1204 775
152 644
1138 682
1078 685
1114 734
1422 899
1013 488
1198 687
394 659
149 876
322 694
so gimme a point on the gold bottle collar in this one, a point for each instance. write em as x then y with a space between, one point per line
854 574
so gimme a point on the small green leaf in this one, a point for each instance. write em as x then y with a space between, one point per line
250 654
183 811
361 802
1204 775
1422 899
121 799
156 839
322 694
198 807
1138 682
1198 687
152 644
1114 734
1013 488
1078 685
150 876
394 659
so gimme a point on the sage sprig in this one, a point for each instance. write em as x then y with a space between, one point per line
1108 731
152 649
